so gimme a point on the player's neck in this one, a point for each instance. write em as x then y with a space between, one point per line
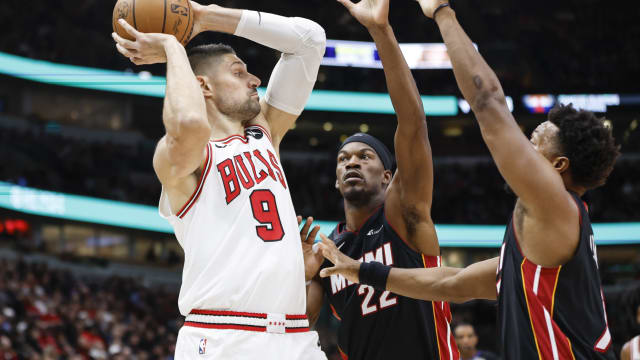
357 215
467 355
571 186
223 126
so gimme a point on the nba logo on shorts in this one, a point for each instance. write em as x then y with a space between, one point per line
202 348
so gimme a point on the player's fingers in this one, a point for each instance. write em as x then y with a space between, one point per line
127 44
305 228
328 242
346 3
328 252
124 51
128 28
312 236
326 272
299 218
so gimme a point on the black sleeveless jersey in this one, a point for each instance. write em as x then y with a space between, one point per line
378 324
552 313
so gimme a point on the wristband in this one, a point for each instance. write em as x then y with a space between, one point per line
440 7
374 274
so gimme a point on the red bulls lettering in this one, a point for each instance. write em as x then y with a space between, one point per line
234 172
274 162
229 179
245 177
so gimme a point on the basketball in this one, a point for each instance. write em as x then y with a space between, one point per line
174 17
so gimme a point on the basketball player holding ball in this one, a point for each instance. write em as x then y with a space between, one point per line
224 189
546 279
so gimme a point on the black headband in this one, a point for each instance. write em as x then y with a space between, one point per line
383 153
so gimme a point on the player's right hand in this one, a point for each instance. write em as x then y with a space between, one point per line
148 48
312 259
429 6
370 13
343 265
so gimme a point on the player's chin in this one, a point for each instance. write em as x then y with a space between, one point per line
355 193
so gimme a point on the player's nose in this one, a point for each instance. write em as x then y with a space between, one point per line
254 82
352 162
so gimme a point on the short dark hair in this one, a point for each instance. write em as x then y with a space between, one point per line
587 142
201 57
462 323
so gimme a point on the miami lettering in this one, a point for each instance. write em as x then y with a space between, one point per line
382 255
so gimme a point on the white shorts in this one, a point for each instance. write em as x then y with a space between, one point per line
201 343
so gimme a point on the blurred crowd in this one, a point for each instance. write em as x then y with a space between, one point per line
567 46
464 192
51 314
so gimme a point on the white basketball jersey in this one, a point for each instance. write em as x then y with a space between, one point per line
239 232
635 348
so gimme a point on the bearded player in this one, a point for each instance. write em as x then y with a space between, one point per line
388 220
224 189
550 300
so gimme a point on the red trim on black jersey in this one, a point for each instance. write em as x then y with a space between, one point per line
539 287
196 193
342 354
447 347
335 313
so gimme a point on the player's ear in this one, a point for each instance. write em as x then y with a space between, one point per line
337 185
387 176
205 85
561 164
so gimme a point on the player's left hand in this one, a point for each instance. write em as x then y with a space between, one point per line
370 13
312 260
148 48
343 265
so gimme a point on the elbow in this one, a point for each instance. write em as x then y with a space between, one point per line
489 96
313 35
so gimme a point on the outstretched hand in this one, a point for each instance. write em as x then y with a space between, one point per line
370 13
429 6
147 48
312 260
343 265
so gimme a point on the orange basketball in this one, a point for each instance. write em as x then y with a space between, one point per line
174 17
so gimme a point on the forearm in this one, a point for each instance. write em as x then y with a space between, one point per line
477 82
476 281
432 284
184 106
315 296
285 34
400 83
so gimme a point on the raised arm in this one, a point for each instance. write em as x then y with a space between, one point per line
181 151
302 43
477 281
527 172
408 200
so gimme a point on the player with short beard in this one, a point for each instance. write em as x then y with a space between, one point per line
224 190
546 280
388 219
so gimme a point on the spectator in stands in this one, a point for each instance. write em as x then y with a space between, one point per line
467 341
